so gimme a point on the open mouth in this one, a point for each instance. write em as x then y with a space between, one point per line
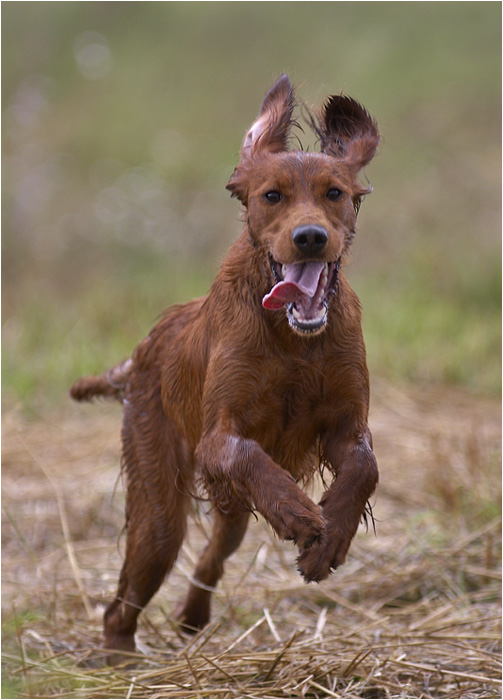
305 289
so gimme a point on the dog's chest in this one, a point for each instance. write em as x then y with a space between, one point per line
284 412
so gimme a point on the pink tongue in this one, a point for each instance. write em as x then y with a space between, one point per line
300 280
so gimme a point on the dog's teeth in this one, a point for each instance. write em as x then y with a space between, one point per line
324 275
319 316
283 271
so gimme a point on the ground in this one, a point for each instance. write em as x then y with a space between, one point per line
414 612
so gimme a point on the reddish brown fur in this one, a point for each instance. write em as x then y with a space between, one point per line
225 391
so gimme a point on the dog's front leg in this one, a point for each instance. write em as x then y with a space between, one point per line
238 473
343 503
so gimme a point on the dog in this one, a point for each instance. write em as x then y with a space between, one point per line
254 386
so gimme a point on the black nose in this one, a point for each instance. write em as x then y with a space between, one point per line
310 239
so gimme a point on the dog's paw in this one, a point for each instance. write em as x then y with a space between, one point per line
301 522
323 557
192 619
120 650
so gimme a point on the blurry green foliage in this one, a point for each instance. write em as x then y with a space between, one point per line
121 125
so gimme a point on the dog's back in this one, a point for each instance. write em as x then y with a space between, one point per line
113 383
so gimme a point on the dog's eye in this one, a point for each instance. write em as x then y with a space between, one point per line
334 194
273 197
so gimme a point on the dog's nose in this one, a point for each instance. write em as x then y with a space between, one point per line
310 239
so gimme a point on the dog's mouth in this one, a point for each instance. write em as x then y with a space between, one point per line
305 289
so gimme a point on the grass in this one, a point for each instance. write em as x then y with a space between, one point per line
114 201
413 333
418 333
414 612
64 341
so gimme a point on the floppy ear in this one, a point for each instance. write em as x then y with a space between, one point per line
268 133
271 128
347 131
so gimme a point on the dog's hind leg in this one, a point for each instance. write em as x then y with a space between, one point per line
158 469
227 535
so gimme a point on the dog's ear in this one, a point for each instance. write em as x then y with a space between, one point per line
271 128
347 131
268 133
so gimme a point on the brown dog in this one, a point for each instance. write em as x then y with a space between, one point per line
252 387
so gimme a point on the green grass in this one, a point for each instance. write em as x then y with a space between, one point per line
413 333
417 332
60 339
113 192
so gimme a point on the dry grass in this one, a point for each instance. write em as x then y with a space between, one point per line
414 613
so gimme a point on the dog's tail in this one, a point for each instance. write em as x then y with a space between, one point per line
109 385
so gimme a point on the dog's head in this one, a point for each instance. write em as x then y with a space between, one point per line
301 206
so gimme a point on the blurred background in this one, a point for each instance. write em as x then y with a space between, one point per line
122 122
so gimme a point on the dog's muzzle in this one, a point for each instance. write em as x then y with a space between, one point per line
305 290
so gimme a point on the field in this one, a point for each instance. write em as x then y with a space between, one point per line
121 126
414 613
